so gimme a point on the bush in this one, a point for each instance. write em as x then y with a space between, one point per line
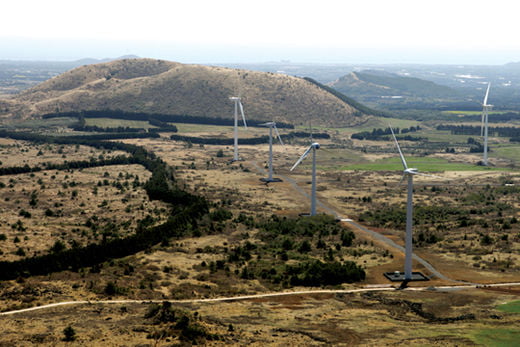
57 247
69 334
220 215
317 273
486 240
112 289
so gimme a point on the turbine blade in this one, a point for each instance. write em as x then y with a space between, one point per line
399 149
304 155
242 112
487 93
401 180
278 135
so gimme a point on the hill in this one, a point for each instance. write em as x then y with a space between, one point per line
381 87
157 86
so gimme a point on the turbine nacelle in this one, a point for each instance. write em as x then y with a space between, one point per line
411 171
314 146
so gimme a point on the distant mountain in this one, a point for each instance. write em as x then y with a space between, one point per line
381 83
158 86
89 61
379 88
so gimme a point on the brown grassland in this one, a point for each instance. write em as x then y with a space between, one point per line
91 204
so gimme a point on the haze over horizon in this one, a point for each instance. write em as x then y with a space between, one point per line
231 31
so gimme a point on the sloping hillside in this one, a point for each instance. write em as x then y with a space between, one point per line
157 86
379 88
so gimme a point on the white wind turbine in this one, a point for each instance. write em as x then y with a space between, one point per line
408 173
484 125
238 104
313 147
272 125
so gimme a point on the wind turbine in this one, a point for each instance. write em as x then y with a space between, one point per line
313 147
484 125
238 104
272 125
408 173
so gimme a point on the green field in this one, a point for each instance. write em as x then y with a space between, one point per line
510 307
114 123
38 123
425 164
497 337
511 152
473 113
373 122
443 136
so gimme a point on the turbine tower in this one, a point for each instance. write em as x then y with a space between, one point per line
408 173
484 126
272 125
313 147
238 104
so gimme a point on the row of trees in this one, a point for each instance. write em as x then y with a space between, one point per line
247 141
168 118
160 127
67 165
477 130
384 134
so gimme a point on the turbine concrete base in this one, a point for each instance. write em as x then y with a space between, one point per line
267 180
398 276
304 214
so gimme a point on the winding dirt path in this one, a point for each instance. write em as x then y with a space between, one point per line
373 288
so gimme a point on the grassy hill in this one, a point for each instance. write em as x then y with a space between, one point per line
157 86
380 88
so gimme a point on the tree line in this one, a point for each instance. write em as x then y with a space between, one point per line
247 141
378 134
160 127
167 118
67 165
477 130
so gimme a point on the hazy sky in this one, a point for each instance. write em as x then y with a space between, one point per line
457 31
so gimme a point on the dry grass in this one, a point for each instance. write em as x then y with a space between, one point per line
20 153
40 208
376 320
176 270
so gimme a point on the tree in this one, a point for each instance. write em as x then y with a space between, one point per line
69 334
57 247
305 247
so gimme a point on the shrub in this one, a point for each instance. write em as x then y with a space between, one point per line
317 273
69 334
220 215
